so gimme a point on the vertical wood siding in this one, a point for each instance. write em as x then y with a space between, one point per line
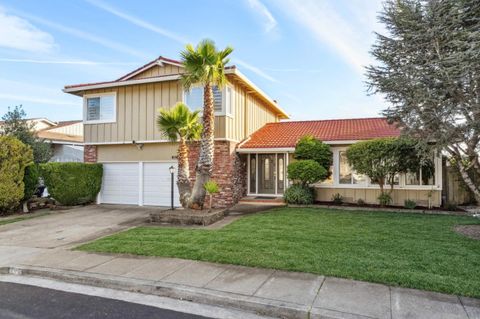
138 105
166 69
249 114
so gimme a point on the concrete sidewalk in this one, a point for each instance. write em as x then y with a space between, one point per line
263 291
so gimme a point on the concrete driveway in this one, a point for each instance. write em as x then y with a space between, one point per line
66 229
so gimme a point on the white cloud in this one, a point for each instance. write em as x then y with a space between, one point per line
255 70
89 37
139 22
269 22
347 28
74 62
18 33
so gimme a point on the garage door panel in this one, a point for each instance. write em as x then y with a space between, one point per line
120 183
157 184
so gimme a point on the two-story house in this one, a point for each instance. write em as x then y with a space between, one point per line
252 146
120 131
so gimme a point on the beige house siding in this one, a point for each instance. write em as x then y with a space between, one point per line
166 69
137 109
250 114
130 153
352 195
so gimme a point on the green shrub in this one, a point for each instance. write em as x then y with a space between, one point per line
384 199
310 148
299 194
32 174
306 172
337 198
410 204
211 187
360 202
451 206
14 157
72 183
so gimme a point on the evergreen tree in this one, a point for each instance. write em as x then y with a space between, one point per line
429 71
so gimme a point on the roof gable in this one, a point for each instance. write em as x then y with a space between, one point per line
287 134
157 67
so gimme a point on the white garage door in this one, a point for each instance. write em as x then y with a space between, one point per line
120 183
144 183
157 185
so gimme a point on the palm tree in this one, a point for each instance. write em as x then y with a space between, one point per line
204 65
180 124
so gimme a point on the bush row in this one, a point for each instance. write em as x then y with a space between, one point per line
67 183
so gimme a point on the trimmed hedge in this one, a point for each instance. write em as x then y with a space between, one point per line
32 174
299 194
72 183
14 157
306 172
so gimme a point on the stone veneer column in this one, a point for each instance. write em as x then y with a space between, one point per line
90 154
229 171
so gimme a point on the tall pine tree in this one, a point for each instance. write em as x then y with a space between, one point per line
429 71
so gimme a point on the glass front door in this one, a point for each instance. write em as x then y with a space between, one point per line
266 173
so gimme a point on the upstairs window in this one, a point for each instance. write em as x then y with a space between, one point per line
100 108
194 98
223 100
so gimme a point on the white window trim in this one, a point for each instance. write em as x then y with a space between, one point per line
88 96
223 112
368 184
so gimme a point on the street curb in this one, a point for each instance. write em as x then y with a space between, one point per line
260 306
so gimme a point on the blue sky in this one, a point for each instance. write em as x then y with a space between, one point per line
309 54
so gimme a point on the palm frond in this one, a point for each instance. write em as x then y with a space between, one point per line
179 122
204 64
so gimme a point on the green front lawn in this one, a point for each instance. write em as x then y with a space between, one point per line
416 251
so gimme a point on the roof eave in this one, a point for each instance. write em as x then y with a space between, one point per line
280 112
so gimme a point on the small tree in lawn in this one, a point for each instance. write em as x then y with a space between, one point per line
383 159
429 71
182 125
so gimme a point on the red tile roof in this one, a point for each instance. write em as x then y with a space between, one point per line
286 134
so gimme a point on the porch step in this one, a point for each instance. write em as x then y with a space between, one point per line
262 200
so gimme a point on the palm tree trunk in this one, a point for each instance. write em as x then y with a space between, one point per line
205 161
183 176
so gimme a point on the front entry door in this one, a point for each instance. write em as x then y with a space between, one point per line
266 173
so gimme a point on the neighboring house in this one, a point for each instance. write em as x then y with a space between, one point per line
252 146
37 124
66 138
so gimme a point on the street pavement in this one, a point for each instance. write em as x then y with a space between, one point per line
30 302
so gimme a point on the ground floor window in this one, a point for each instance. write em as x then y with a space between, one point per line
344 176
